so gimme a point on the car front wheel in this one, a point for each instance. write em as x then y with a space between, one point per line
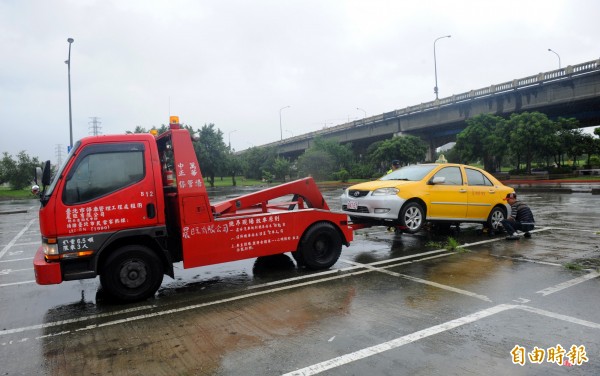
412 217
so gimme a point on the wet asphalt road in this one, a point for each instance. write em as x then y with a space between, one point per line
392 305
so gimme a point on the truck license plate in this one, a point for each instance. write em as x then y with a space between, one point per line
352 205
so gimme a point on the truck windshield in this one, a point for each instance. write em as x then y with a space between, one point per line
50 189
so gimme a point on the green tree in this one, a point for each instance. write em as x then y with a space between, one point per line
235 166
257 160
530 132
281 168
211 151
8 167
483 139
590 146
342 155
18 173
406 149
317 163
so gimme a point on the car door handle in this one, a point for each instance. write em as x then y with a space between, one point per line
463 191
150 211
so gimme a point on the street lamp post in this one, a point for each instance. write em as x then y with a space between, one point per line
360 109
235 130
280 128
557 55
435 89
68 62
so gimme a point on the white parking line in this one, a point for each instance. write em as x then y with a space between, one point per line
71 321
9 271
20 259
395 343
567 284
14 240
15 284
398 342
423 281
558 316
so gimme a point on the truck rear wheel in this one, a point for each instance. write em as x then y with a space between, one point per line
132 273
320 247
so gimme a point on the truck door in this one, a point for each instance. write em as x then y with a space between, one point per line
109 186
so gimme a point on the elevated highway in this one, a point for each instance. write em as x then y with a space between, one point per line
573 91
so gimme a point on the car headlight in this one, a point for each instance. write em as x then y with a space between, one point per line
385 192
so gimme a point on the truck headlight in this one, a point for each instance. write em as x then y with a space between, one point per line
385 192
50 248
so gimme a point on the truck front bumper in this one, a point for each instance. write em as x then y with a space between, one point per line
46 273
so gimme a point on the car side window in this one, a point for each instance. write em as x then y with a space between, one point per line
452 175
476 178
96 174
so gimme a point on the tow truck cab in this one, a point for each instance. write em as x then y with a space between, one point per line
126 207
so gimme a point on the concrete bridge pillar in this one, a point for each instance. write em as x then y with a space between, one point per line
431 150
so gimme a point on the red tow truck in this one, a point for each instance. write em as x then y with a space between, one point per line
127 207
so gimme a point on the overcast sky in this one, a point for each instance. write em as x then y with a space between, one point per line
237 63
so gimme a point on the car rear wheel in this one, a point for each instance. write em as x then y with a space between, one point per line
496 216
412 217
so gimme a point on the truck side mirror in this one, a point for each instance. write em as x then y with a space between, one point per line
46 174
38 175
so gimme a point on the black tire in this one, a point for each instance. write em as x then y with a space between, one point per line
496 216
298 258
320 247
132 273
412 217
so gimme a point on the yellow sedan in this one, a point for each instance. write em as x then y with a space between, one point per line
443 193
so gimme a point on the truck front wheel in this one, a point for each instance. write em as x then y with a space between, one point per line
320 247
132 273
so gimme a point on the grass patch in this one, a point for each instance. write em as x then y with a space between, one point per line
19 194
451 245
584 177
573 266
433 244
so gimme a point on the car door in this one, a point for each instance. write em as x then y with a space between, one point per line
481 194
447 194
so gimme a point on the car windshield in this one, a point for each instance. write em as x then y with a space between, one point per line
410 173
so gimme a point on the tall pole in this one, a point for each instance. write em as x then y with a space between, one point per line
435 89
360 109
280 128
68 62
557 55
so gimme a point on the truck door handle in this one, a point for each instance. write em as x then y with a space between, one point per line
150 211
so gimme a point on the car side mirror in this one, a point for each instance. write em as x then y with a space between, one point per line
437 180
